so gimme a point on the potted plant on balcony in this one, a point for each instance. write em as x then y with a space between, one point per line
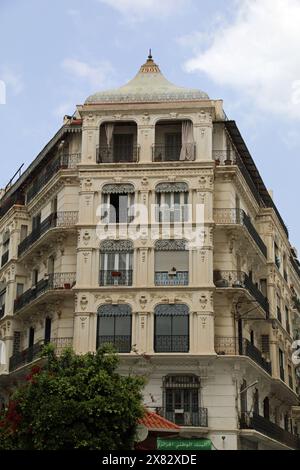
116 274
173 272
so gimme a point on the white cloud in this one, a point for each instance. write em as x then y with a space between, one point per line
138 10
97 75
257 54
13 80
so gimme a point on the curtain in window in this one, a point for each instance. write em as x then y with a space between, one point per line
187 149
109 130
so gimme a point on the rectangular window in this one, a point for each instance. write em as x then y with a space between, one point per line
120 210
172 207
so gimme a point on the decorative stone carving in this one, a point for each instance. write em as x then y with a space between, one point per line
203 301
86 238
84 303
143 301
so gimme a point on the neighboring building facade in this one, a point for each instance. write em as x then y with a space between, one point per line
211 325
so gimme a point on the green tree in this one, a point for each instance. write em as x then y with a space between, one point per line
73 402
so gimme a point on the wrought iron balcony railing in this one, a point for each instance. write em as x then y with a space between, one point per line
67 161
197 418
54 220
61 281
4 258
16 199
238 280
248 349
178 278
122 343
272 430
116 278
171 343
25 357
238 216
172 153
230 157
118 153
29 355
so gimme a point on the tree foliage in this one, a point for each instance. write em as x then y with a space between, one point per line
73 402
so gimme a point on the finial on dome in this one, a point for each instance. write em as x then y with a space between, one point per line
150 66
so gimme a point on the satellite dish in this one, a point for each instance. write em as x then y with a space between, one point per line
141 433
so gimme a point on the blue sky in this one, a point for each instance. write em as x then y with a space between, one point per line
56 53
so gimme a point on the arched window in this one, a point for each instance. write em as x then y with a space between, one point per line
171 263
182 400
116 258
171 328
172 202
114 327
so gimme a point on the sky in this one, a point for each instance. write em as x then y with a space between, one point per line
55 53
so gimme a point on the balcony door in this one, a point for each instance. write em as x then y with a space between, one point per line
173 143
116 258
182 400
123 147
171 328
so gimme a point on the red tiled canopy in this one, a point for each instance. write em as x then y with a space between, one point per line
155 422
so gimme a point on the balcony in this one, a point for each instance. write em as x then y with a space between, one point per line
248 349
118 153
4 258
63 162
17 199
239 217
52 282
171 343
172 153
230 157
55 220
120 342
31 354
272 430
116 278
227 346
176 278
197 418
240 280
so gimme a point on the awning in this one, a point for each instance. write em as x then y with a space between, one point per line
172 188
183 444
118 189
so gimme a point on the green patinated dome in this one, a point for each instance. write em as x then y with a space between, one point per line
149 85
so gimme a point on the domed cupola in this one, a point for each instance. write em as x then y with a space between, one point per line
148 86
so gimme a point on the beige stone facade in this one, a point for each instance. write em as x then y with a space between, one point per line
212 325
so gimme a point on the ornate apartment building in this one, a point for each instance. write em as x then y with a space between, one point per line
95 249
